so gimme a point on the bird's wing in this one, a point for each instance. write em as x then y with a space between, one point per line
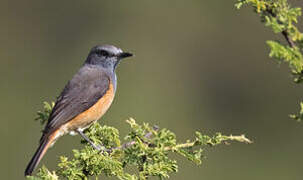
80 93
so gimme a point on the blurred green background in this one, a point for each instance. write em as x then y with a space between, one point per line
198 65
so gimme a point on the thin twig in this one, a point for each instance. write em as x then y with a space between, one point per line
290 42
240 138
288 39
129 144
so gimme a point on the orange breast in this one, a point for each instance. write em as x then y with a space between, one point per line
93 113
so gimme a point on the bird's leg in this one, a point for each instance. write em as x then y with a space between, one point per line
88 140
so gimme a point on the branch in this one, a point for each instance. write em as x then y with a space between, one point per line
129 144
284 32
281 17
210 142
288 39
147 150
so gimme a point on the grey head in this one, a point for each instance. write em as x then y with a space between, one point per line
107 56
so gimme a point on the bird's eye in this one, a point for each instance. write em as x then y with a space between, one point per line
102 53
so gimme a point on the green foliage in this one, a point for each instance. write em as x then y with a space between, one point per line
42 116
145 153
291 55
299 116
44 174
282 18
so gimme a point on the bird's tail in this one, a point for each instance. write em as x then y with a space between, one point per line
44 145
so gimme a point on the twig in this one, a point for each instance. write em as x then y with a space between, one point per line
284 33
241 138
129 144
288 39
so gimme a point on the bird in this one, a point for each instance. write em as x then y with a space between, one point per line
84 99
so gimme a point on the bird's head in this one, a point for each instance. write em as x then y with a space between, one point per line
107 56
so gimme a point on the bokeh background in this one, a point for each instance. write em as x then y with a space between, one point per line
198 65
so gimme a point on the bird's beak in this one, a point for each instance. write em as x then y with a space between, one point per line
124 55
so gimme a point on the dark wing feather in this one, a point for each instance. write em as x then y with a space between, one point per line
81 92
